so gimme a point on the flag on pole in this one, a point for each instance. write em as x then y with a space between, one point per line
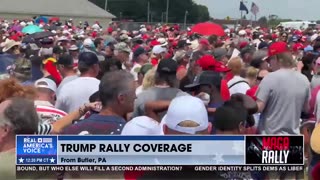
243 7
254 9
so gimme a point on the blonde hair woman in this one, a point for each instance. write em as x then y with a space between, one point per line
251 76
149 79
237 84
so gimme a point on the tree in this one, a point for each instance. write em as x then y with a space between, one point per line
263 20
137 10
203 13
273 17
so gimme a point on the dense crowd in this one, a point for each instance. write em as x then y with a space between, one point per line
74 78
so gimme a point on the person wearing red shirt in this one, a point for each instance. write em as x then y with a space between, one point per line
159 53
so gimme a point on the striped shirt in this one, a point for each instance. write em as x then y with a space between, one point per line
44 129
47 112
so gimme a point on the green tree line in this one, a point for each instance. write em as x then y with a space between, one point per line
137 10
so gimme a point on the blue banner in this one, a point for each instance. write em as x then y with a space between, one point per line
36 149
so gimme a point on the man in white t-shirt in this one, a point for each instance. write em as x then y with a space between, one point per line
237 84
77 92
140 57
66 68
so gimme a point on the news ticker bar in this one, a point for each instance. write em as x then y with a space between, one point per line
160 150
99 168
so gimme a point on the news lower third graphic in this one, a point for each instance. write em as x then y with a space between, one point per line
275 150
90 154
131 150
36 150
159 150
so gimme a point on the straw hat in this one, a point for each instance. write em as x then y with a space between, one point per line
315 141
9 44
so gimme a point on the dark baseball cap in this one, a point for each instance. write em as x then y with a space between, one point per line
46 41
89 58
66 60
206 78
168 66
57 50
218 53
247 49
139 51
263 45
183 43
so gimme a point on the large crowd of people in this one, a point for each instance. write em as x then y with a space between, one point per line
74 78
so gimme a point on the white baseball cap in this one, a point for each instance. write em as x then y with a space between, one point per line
143 30
185 108
46 83
313 37
63 38
242 32
87 42
142 125
23 24
124 32
162 41
96 26
158 49
65 32
73 48
194 45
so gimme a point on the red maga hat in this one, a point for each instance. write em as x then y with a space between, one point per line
208 63
277 48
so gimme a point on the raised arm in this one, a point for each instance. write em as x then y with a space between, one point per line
59 125
152 109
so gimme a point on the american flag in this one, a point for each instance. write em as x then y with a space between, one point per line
254 9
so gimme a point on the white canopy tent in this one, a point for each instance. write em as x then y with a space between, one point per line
78 10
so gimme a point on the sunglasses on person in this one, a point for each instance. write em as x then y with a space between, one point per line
259 78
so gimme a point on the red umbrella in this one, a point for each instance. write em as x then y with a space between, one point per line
54 19
208 29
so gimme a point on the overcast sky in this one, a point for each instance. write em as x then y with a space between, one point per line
292 9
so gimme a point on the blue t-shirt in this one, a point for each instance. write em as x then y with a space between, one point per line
6 60
97 124
36 73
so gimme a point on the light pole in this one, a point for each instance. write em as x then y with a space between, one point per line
106 5
162 14
148 11
120 16
167 13
185 19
